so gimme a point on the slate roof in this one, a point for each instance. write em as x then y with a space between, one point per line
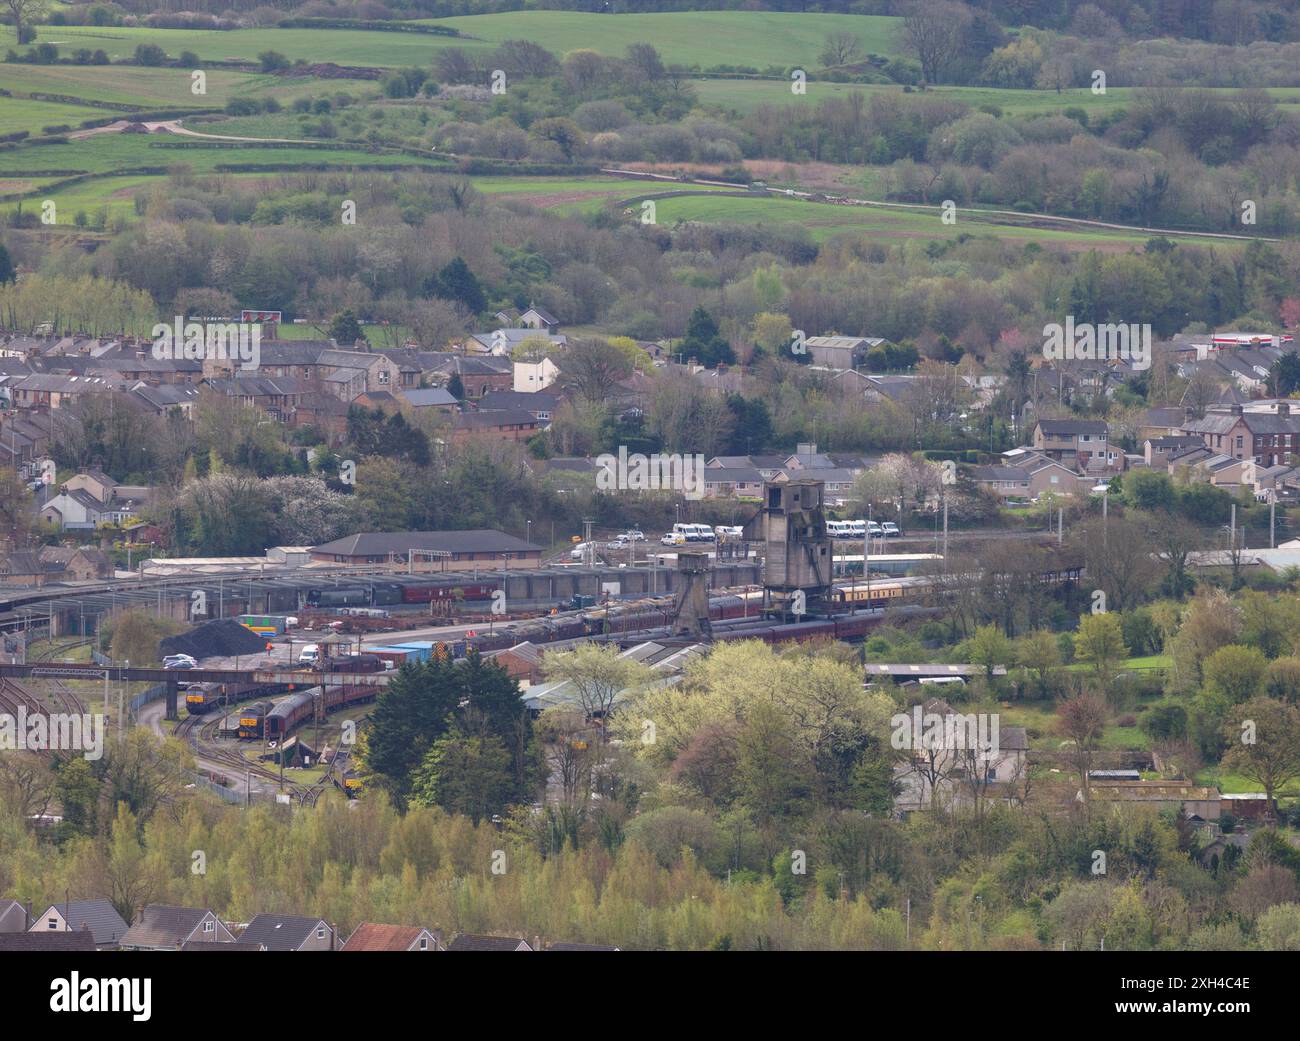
381 543
470 942
732 475
215 945
429 397
999 473
293 352
161 925
528 401
1072 427
486 419
103 921
280 932
47 941
564 945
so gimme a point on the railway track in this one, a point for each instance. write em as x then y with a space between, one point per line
67 699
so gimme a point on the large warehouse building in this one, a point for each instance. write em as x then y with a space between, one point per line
432 550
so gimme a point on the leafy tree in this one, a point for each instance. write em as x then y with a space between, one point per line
457 282
988 648
150 54
1165 722
345 329
703 341
372 432
410 717
1264 744
1100 643
1282 679
8 273
23 13
1235 672
466 775
560 131
1039 652
1284 378
272 61
751 429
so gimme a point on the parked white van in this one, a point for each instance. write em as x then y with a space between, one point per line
309 655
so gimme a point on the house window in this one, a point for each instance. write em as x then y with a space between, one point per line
424 944
208 926
383 377
320 933
53 923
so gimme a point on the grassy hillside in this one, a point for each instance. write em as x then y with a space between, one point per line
704 38
824 221
743 96
148 88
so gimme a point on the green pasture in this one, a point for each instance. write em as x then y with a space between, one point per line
742 96
824 221
756 39
157 88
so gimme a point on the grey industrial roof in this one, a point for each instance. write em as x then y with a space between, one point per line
381 543
429 396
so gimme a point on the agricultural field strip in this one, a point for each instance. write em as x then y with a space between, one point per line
703 38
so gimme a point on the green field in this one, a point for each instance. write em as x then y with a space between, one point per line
109 153
743 96
825 221
571 194
120 158
24 114
703 38
152 88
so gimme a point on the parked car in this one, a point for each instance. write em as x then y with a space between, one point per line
633 535
890 530
579 552
181 664
673 538
309 655
171 658
622 542
731 531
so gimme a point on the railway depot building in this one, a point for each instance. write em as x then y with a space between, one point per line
476 549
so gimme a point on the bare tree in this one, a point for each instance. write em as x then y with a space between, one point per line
1081 720
840 48
934 33
24 12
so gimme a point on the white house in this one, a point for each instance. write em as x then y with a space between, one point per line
534 375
